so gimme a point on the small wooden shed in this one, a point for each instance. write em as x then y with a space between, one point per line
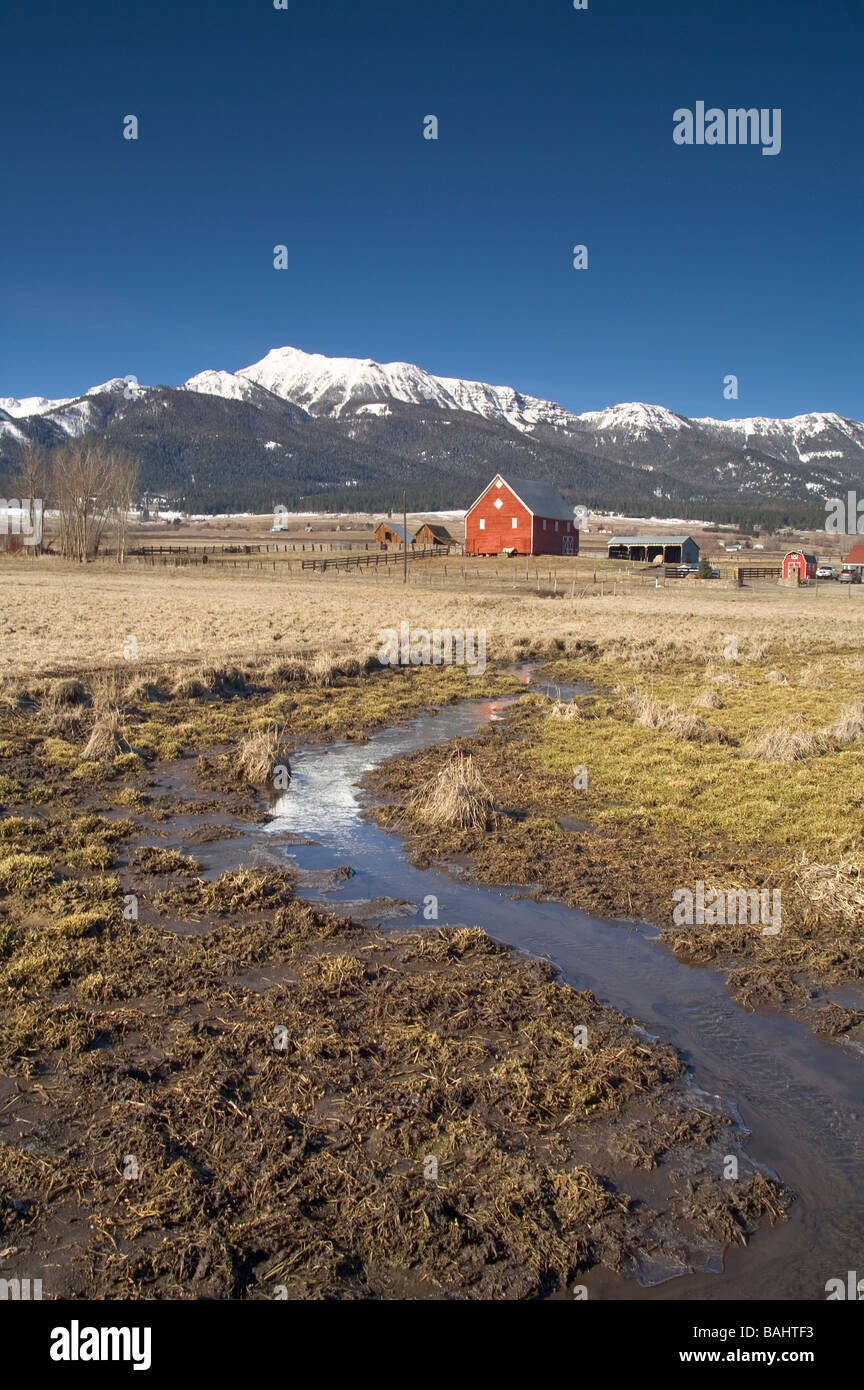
392 533
799 564
430 533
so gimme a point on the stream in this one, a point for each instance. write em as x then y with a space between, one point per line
802 1099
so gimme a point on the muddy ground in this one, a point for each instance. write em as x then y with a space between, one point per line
213 1090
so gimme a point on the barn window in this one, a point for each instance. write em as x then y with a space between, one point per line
568 525
498 502
497 482
515 523
544 523
556 525
482 523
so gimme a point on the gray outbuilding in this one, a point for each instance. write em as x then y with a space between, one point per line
673 550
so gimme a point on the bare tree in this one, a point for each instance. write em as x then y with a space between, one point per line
30 488
90 485
124 490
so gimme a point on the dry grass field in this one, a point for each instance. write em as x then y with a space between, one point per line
56 618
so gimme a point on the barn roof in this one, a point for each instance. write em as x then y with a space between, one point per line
811 559
855 556
397 528
541 499
438 531
649 540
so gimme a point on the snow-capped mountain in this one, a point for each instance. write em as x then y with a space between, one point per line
302 426
30 405
231 386
334 386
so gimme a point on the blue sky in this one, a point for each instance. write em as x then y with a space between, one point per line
304 127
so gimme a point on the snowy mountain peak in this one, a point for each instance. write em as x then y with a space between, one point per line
634 416
229 385
29 405
329 385
117 384
334 385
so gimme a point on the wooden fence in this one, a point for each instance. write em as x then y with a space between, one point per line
745 572
242 548
380 558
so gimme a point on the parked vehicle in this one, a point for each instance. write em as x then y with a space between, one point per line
827 572
850 577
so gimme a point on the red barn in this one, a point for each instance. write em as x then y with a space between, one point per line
797 562
521 517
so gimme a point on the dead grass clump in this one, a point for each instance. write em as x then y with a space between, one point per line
12 696
644 710
78 924
692 728
155 860
283 673
16 829
458 798
107 690
776 677
25 873
789 743
239 891
224 680
449 943
139 690
567 709
189 685
259 753
708 699
792 742
835 890
322 669
131 798
335 973
243 889
65 721
814 677
848 728
106 740
62 694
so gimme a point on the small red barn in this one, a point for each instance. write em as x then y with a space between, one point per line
799 563
522 517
